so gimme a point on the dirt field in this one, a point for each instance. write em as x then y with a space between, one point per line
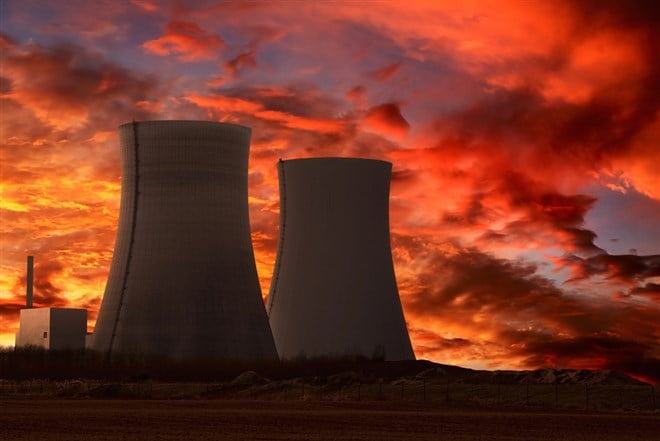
262 420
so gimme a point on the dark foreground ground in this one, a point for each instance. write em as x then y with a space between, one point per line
71 420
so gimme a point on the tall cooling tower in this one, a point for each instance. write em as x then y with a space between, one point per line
333 291
183 281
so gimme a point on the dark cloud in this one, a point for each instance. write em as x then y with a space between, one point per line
5 85
482 280
528 313
623 267
524 147
69 85
612 13
651 290
6 41
248 59
244 60
402 176
603 352
296 99
474 212
581 135
549 210
544 214
357 93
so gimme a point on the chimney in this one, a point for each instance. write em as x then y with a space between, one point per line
29 281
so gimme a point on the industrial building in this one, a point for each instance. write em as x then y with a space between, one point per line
52 328
334 292
183 280
49 328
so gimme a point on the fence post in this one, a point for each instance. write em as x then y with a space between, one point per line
359 390
402 390
303 391
653 395
556 394
447 392
498 392
527 392
380 389
424 389
586 396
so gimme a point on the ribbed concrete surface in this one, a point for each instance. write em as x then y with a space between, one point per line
183 280
334 291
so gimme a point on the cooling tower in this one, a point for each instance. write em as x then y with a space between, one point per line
334 292
183 281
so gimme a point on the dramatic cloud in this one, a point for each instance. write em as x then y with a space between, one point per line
66 86
651 290
625 268
221 104
508 309
248 59
60 173
187 41
357 93
600 352
243 60
387 118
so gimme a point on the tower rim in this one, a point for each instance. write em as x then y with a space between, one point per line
344 159
179 122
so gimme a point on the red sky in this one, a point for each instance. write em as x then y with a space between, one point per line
525 202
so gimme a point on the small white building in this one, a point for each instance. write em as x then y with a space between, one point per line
52 328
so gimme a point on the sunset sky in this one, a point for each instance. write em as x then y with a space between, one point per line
524 137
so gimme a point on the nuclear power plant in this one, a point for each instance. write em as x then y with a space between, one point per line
334 291
183 280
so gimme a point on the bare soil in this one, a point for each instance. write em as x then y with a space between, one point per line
81 419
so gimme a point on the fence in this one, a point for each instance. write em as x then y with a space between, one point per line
569 396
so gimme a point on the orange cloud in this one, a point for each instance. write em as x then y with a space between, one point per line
60 173
145 5
230 105
187 41
387 119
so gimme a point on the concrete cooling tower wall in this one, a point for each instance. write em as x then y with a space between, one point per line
333 291
183 281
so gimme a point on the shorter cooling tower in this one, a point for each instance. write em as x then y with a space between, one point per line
334 292
183 281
